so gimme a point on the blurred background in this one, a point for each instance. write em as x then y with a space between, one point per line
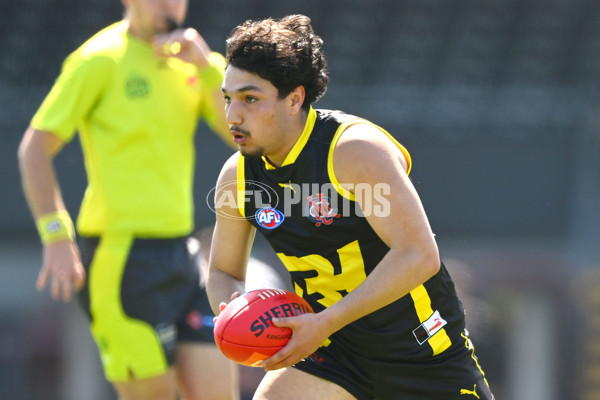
497 101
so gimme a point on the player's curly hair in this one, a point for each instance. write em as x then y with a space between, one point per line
285 51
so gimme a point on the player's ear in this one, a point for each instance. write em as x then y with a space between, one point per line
296 99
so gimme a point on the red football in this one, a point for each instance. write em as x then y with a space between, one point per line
243 331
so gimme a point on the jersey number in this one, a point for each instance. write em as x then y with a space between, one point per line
327 282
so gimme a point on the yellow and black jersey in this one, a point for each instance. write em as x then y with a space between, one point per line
329 248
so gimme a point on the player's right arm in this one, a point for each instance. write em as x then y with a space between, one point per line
231 243
62 265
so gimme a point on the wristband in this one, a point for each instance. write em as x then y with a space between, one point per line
55 226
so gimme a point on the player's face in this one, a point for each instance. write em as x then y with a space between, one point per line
150 17
258 119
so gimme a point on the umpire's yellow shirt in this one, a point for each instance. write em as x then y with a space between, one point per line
136 115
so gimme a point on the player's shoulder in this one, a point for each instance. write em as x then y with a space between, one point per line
229 171
363 137
362 143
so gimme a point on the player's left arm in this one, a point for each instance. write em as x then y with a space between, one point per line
364 155
231 243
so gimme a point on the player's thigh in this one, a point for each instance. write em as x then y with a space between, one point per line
160 387
203 372
293 384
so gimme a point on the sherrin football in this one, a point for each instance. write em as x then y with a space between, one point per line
244 332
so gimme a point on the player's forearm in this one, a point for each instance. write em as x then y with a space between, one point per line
395 276
220 286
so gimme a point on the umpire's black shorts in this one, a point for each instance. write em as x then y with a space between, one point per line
142 296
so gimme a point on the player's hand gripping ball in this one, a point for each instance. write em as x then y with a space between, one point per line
244 332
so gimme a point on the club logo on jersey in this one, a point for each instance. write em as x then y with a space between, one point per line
269 218
319 210
429 327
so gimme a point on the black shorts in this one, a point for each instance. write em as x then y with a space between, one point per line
454 374
142 297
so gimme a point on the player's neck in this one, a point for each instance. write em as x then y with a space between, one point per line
289 139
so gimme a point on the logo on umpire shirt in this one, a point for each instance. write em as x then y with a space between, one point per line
137 87
269 218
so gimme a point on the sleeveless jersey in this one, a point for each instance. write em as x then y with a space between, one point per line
329 248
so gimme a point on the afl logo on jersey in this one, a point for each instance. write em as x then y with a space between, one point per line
269 218
319 210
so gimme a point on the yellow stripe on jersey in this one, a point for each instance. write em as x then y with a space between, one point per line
440 340
241 186
469 346
338 187
341 129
